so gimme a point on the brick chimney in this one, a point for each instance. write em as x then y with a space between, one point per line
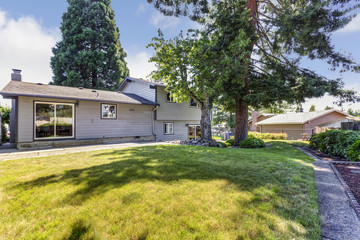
16 75
254 116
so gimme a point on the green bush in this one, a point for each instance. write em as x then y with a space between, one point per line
230 141
334 142
354 151
252 143
272 136
224 145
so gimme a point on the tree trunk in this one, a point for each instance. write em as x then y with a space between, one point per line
205 122
93 79
241 121
241 114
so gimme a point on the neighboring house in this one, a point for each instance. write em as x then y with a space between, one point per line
258 117
296 124
49 115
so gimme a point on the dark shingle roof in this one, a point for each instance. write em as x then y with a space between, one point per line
16 88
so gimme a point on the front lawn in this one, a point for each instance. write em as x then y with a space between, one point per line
161 192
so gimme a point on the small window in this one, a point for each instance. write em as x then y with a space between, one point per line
193 103
168 128
169 98
108 111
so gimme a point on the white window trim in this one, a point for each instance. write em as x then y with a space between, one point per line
165 123
197 105
102 116
55 103
171 98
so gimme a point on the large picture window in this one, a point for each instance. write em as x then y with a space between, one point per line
108 111
54 120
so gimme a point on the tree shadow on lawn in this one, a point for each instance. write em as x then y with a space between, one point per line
240 167
244 168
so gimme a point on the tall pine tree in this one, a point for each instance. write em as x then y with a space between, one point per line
90 54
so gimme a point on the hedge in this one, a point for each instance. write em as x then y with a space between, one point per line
335 142
272 136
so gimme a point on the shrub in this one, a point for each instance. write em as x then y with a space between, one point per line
224 145
272 136
230 141
252 143
334 142
354 151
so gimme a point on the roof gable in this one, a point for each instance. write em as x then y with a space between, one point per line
140 80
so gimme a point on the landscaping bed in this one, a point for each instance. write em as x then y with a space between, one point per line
351 174
324 156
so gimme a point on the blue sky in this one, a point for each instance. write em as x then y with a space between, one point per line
29 29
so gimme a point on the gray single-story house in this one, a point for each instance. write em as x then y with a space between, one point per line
49 115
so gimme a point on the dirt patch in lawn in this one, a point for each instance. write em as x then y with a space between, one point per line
351 175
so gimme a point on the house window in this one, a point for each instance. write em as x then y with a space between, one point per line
168 128
54 120
194 132
169 98
108 111
193 103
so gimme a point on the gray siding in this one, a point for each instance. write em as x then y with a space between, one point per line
180 130
128 123
141 89
175 111
88 122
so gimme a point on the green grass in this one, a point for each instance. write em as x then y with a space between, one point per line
161 192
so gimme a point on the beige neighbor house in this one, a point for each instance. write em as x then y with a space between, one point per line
295 125
48 115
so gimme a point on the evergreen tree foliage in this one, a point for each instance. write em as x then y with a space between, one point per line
90 54
277 36
312 108
328 108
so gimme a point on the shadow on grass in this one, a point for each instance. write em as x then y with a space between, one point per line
241 167
78 230
279 168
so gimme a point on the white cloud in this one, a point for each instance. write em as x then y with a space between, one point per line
26 45
141 8
164 22
139 65
327 100
352 26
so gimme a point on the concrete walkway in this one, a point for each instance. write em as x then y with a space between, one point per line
339 220
10 154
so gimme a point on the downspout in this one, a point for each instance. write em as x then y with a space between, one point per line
153 120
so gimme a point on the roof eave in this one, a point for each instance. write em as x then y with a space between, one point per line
282 123
6 94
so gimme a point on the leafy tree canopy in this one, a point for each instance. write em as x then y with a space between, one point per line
268 48
312 108
90 54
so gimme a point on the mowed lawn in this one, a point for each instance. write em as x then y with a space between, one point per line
161 192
